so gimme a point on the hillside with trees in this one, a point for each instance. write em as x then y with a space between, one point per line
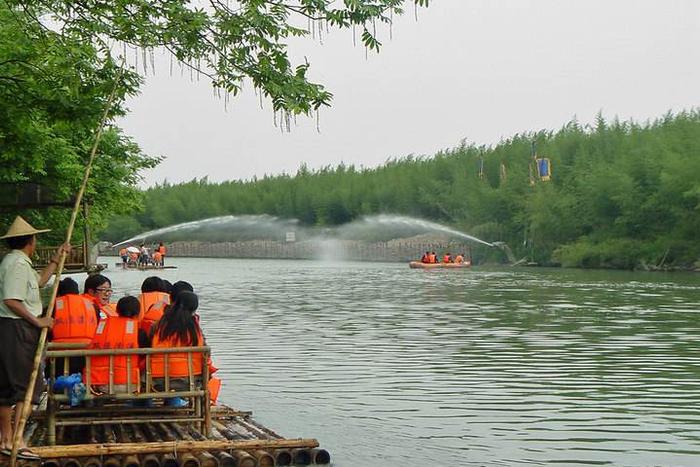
622 194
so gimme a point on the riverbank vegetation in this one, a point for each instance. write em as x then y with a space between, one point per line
622 194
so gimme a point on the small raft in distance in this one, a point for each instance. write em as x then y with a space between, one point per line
142 267
419 265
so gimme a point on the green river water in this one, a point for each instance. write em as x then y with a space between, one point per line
388 366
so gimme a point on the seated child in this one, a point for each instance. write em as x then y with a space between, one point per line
117 332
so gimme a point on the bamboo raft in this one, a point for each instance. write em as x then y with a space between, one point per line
141 440
108 430
142 267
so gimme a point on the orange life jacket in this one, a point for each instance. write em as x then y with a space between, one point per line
459 259
425 259
446 259
432 258
115 333
157 256
162 250
108 311
214 387
177 362
150 298
154 313
75 319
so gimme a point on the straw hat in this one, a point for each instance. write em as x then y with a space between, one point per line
20 228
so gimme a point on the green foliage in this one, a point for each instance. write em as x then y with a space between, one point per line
52 95
57 67
229 43
621 195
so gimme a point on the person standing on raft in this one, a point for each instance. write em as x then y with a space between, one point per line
21 322
162 250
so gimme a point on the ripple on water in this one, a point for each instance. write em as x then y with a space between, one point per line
391 367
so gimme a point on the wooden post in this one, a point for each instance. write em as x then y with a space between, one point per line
207 396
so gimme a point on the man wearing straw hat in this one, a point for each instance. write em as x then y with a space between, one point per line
20 324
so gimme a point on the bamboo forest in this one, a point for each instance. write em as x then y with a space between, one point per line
622 194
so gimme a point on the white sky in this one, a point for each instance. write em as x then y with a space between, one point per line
475 69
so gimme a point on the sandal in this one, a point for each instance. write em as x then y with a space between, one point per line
22 453
27 455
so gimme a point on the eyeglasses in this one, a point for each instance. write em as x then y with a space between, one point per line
105 290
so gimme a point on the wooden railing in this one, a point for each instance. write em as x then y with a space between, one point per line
198 412
76 259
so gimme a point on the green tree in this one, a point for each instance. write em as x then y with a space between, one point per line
622 195
227 42
52 94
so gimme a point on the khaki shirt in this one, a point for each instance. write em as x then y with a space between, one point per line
19 281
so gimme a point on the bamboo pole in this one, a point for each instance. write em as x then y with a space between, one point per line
186 459
92 462
244 459
263 458
26 407
71 462
301 456
282 456
169 460
150 460
320 456
131 461
85 450
226 459
206 459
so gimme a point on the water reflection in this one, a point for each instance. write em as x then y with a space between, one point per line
391 366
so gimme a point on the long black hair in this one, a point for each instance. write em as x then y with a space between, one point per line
179 320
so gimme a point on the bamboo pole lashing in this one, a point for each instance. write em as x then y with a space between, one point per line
26 407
